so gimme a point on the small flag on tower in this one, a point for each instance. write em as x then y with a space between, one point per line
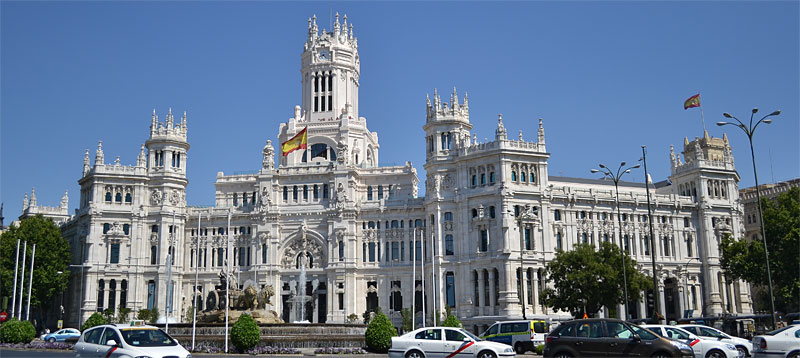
299 141
693 101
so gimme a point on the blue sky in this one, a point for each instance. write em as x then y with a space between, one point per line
607 77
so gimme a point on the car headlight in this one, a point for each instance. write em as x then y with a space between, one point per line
680 345
730 347
508 350
189 355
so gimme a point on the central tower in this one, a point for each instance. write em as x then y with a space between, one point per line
330 69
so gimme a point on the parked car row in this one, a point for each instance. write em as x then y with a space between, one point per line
594 338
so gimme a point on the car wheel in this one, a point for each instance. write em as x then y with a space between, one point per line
742 351
794 355
715 354
414 354
661 355
518 348
487 354
52 340
562 355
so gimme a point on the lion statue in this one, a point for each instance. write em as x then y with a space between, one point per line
247 300
265 296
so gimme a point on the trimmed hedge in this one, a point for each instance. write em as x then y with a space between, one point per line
95 319
16 331
451 321
245 333
380 331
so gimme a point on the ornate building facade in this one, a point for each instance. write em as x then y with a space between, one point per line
360 236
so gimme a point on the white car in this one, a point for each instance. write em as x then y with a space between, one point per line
446 342
780 343
741 344
128 341
702 347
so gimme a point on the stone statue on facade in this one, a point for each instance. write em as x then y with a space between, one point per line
269 156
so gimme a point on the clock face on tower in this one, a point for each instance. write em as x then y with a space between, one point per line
324 55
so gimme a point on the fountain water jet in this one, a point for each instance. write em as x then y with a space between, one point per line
301 298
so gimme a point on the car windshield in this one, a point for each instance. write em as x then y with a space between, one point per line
470 335
147 337
644 333
540 327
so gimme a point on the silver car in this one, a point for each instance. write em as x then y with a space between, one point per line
125 340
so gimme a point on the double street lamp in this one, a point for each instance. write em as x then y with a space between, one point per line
749 130
615 176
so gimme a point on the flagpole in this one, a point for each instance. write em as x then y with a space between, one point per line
14 295
227 276
702 118
422 274
414 279
196 278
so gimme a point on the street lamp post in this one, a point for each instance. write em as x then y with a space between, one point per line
615 176
652 236
686 283
749 130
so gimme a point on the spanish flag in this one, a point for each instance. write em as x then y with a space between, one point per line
693 101
299 141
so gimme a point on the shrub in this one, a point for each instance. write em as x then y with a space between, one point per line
94 320
539 349
122 314
451 321
149 316
108 315
245 333
16 331
379 333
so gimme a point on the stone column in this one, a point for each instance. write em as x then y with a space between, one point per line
492 302
682 304
535 292
509 304
480 296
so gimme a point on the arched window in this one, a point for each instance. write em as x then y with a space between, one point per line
395 224
305 192
108 196
294 192
235 199
106 228
513 175
123 294
491 178
522 177
474 180
483 178
112 294
369 192
448 216
491 212
285 193
324 191
316 191
118 197
380 192
126 228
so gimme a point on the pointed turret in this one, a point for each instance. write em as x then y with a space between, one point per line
154 124
706 136
466 100
86 162
436 99
454 100
141 161
169 120
33 197
540 138
344 27
65 200
183 121
336 26
25 202
352 33
98 155
500 133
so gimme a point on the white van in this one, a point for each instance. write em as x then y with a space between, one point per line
522 335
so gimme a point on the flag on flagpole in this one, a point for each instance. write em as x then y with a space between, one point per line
693 101
299 141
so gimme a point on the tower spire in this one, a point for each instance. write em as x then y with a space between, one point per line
86 162
65 200
33 196
25 202
141 161
540 138
500 133
154 123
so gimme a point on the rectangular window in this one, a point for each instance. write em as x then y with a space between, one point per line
285 193
330 102
294 192
114 254
527 238
324 191
316 191
689 251
371 252
484 244
380 192
557 215
341 250
402 250
316 104
448 245
395 250
341 301
369 193
450 287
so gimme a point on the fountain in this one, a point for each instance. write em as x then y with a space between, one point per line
301 297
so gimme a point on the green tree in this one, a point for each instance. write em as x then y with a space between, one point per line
380 331
245 333
108 315
122 314
15 331
451 321
52 256
591 278
745 260
95 319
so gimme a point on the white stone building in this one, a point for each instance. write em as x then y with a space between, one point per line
354 222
